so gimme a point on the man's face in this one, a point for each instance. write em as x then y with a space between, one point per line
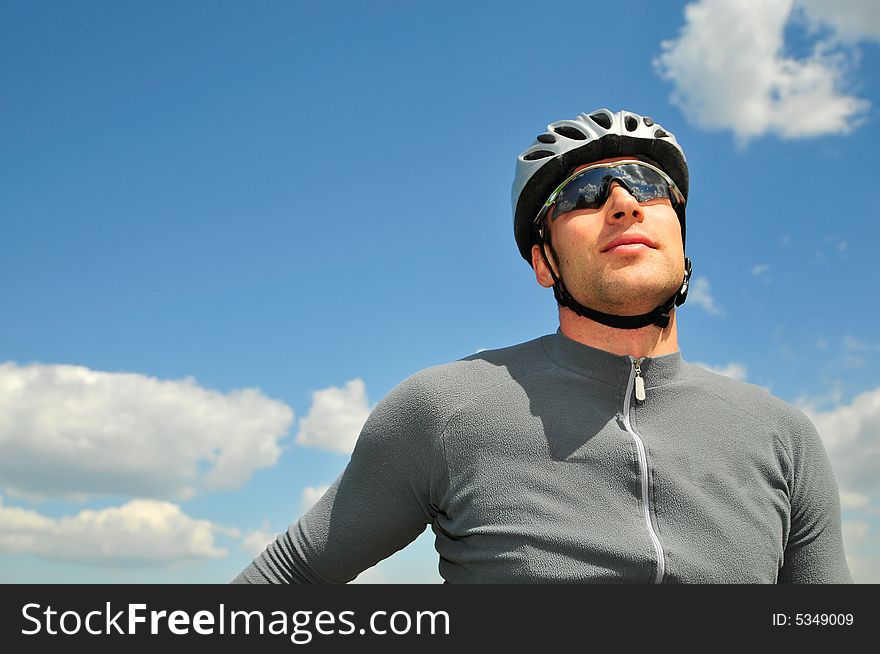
624 258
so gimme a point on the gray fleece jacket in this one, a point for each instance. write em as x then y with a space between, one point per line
537 463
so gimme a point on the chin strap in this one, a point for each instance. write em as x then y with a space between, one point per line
659 316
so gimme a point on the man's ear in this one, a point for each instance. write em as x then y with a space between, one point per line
542 271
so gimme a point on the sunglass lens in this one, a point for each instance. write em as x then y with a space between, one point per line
644 183
584 192
590 189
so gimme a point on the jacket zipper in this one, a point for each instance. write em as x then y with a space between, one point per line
637 383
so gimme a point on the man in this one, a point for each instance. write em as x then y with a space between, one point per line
595 454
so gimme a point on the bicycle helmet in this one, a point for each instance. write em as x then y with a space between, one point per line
590 137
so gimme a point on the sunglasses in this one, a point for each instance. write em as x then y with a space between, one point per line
589 188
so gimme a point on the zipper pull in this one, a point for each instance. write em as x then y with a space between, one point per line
640 382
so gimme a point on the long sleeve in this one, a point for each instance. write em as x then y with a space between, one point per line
379 504
814 551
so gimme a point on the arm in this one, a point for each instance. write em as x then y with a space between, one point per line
814 549
378 505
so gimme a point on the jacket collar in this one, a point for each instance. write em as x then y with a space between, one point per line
609 368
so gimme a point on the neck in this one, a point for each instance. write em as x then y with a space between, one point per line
647 341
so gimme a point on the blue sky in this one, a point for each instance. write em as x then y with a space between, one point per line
228 229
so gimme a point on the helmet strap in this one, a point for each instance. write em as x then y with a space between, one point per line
659 316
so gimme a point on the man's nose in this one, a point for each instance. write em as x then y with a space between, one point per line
621 204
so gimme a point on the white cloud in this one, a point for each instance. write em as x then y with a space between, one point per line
310 496
730 71
849 501
68 430
851 433
851 20
140 532
855 533
733 369
861 544
335 418
760 269
256 541
700 293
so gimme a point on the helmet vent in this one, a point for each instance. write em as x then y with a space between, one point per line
660 134
602 120
630 123
570 132
547 138
648 122
538 154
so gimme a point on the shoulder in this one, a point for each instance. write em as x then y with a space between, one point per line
756 403
438 391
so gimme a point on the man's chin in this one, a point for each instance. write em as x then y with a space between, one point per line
628 300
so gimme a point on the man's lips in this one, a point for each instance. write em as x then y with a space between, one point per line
634 240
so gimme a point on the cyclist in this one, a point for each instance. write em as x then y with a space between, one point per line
595 454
